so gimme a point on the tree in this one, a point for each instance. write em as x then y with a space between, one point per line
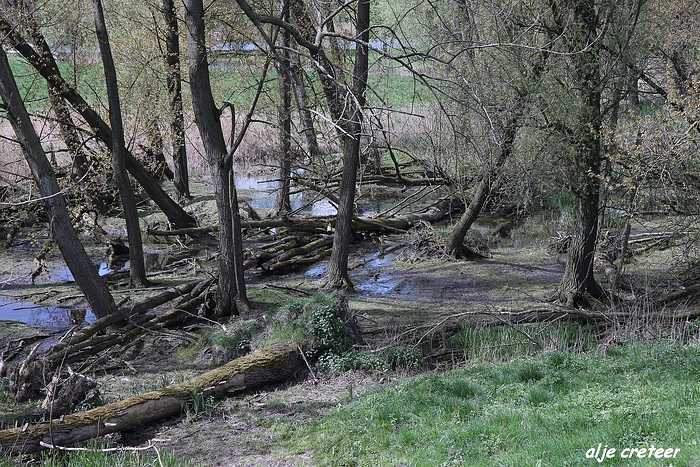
219 159
345 103
283 64
80 265
45 64
174 80
337 274
137 267
487 94
583 33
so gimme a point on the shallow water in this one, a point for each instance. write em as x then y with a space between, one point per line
45 316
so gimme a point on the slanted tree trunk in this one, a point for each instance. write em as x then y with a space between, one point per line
80 265
455 242
207 120
59 106
177 119
275 364
49 71
337 274
137 268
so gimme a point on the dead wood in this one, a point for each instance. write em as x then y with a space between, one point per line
274 364
280 267
94 338
12 231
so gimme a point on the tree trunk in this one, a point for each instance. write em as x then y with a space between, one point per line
177 119
48 69
207 120
274 364
308 129
282 202
455 242
133 229
578 276
242 303
60 108
80 265
337 274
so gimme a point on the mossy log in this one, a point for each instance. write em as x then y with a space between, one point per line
274 364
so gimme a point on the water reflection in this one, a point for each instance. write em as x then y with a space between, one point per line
45 316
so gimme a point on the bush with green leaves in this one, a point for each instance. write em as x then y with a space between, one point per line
337 362
313 322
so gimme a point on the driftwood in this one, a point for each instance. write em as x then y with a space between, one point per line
106 333
274 364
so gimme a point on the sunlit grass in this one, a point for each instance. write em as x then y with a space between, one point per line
547 411
95 456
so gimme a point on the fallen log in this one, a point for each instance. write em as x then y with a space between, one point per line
281 267
274 364
403 222
77 341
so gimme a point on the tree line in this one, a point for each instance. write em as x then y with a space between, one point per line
521 101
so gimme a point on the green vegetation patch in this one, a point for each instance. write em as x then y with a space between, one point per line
561 409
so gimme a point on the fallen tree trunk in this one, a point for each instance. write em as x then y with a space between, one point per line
274 364
438 211
280 267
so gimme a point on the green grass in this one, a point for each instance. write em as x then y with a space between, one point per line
547 411
94 456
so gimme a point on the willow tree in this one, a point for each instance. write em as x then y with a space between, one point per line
588 40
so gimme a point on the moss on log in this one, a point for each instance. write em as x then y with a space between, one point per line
274 364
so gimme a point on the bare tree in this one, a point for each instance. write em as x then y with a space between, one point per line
137 268
220 161
80 265
177 120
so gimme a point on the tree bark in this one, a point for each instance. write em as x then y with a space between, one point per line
308 130
283 204
274 364
80 265
337 274
578 277
177 119
207 120
49 71
137 268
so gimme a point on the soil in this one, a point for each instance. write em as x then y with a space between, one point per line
394 293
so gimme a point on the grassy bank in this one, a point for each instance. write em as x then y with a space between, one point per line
548 411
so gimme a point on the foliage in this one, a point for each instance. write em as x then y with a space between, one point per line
338 362
314 322
548 411
198 404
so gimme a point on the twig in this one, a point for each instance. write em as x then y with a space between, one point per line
307 364
120 449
